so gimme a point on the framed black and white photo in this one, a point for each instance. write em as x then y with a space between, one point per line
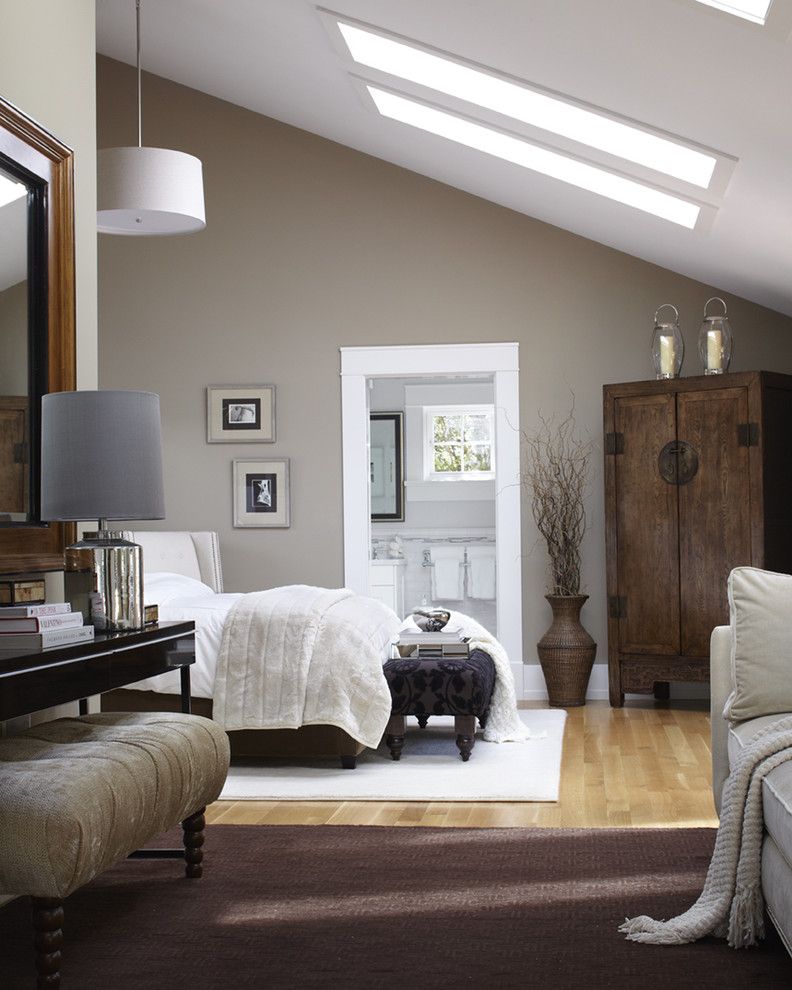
240 414
261 493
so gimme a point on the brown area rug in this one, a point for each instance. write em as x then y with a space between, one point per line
360 908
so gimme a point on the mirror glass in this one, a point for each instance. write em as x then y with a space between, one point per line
386 470
15 352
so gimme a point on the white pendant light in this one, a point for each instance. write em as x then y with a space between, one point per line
148 191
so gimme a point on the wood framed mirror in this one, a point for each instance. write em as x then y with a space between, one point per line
37 328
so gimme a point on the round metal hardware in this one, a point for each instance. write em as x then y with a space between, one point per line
678 462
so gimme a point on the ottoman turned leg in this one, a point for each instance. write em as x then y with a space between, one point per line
48 925
465 727
422 720
192 828
394 736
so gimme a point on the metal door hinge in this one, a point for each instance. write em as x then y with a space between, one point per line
614 443
617 607
748 434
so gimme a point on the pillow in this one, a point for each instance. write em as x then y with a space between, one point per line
760 605
161 587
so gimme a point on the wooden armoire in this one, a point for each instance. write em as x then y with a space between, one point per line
698 480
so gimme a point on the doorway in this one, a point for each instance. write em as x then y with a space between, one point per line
456 541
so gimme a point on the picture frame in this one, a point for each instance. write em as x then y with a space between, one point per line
240 414
260 492
386 466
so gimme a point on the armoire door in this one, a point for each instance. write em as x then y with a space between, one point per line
714 509
647 527
13 455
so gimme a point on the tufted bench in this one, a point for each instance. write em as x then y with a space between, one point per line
426 686
77 795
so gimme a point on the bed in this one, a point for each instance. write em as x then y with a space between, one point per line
183 576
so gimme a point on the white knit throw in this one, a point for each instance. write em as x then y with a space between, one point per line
731 904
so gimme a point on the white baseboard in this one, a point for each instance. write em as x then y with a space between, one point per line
534 685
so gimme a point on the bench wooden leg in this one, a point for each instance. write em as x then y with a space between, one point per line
465 727
422 720
394 736
48 928
193 828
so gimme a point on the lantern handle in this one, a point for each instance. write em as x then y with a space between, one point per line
715 299
670 306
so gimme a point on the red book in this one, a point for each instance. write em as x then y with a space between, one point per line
37 623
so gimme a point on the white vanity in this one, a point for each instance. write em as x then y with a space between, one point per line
386 578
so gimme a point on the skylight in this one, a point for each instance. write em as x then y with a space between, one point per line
532 156
10 190
594 129
751 10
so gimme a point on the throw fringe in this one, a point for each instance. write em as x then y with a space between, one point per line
731 904
746 918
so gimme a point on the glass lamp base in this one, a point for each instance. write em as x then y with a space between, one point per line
103 579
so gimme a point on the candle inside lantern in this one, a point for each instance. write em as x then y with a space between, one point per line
667 356
714 350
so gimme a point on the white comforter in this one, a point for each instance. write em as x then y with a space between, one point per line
183 598
300 655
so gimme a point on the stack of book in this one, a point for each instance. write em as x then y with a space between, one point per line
35 627
432 644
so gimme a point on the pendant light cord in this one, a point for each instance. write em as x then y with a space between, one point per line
140 111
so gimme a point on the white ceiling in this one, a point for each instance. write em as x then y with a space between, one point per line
676 65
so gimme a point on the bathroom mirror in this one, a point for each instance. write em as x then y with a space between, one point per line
37 347
386 466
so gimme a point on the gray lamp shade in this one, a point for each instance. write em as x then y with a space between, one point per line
101 456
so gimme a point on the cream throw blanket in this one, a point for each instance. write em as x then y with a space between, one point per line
504 723
731 904
300 655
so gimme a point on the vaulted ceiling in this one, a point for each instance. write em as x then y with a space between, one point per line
678 66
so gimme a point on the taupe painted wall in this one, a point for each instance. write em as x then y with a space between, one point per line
311 245
47 69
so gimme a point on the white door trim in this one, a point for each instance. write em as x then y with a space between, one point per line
502 362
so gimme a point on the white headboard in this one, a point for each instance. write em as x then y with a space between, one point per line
196 555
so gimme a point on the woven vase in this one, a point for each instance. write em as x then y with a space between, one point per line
566 652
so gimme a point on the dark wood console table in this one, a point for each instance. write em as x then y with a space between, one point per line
37 679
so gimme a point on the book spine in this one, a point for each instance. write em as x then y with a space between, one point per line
10 625
68 620
22 611
57 637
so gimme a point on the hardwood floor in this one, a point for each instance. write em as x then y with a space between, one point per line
645 765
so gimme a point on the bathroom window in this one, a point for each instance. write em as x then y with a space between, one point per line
459 442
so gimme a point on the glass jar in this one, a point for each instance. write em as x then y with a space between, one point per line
668 347
715 340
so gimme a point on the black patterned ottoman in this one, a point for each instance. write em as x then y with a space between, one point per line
426 686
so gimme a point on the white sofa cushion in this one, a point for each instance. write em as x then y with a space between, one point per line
761 643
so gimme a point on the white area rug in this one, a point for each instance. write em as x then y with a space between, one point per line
430 769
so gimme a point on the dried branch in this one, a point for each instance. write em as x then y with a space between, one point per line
556 474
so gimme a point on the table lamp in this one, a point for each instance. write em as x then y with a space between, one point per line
101 458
